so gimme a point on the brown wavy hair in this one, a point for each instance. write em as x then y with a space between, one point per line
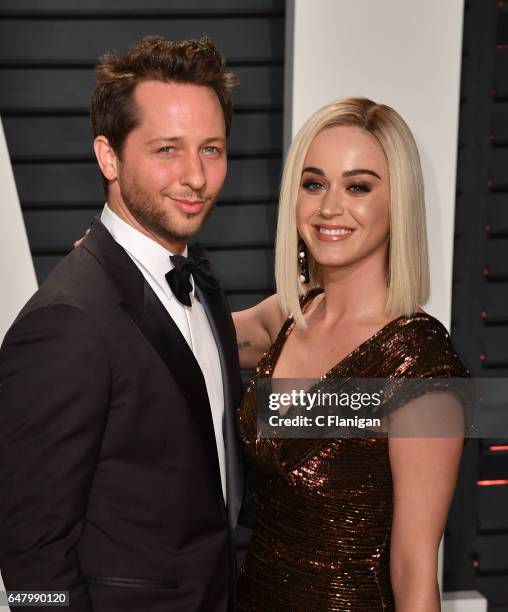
112 108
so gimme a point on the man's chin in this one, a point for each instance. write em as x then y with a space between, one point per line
189 224
182 233
176 226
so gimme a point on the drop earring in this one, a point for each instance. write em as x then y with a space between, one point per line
303 266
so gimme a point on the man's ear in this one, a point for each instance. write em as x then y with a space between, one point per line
106 157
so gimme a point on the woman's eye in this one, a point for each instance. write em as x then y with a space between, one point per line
313 186
358 188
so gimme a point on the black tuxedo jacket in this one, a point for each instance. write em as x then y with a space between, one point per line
109 478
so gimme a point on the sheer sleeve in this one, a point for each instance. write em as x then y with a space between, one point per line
424 366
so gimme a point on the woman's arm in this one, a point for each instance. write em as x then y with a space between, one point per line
256 329
424 472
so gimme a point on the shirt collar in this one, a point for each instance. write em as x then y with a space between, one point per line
149 255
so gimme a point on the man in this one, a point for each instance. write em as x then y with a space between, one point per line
120 471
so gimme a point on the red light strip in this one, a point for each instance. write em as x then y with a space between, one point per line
490 483
498 447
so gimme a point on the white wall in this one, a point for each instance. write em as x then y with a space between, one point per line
404 53
17 276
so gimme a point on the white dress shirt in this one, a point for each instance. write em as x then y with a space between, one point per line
153 261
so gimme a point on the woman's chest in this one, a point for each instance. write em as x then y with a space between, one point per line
302 356
312 353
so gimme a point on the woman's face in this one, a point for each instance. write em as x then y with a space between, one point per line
343 201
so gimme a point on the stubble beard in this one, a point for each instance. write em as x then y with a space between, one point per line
159 220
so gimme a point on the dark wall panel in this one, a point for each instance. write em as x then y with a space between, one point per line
48 49
81 41
476 555
39 91
495 304
135 8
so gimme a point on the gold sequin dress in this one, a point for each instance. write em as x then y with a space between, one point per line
324 506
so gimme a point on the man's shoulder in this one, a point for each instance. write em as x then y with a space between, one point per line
76 299
77 280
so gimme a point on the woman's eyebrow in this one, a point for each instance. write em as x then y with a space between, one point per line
346 174
313 170
357 171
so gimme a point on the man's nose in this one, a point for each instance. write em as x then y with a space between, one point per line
193 172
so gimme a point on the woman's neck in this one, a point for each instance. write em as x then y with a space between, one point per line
355 292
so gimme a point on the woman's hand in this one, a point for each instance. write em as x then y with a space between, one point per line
424 472
78 242
256 330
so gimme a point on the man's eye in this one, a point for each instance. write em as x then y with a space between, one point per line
211 149
166 149
358 188
313 186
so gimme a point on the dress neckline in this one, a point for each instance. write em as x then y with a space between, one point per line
290 323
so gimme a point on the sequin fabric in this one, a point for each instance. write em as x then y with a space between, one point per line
324 507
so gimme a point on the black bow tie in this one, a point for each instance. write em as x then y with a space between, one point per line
179 277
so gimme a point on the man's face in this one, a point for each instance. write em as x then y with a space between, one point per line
173 164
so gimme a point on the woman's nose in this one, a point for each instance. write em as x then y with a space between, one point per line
331 206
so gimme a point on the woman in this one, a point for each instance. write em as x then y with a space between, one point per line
349 524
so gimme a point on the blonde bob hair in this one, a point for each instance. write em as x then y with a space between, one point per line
407 266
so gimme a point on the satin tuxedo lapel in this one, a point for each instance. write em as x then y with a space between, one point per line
163 334
219 317
143 307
